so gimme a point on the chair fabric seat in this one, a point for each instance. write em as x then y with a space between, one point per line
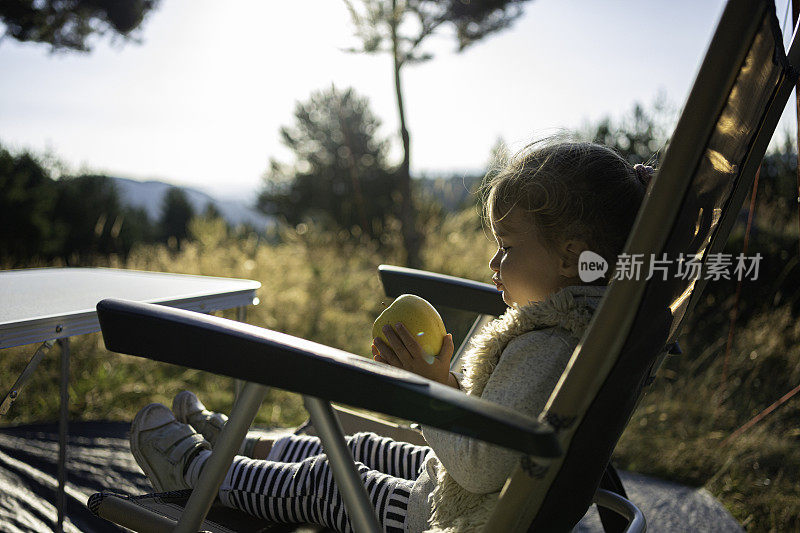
170 505
722 135
706 180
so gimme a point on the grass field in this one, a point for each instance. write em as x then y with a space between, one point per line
318 286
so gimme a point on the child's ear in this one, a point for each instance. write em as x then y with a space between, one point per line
570 253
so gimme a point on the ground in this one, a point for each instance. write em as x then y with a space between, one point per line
99 459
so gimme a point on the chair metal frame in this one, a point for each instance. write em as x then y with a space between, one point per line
518 503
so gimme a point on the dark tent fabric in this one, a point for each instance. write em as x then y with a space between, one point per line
99 459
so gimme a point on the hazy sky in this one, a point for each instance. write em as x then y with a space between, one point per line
201 100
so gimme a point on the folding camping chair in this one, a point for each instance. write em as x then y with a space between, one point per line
734 106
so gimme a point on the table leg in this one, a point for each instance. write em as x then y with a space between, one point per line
62 434
241 316
16 388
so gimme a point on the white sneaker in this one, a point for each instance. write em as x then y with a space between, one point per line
164 447
190 410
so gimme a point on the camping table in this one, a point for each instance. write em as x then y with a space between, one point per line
53 304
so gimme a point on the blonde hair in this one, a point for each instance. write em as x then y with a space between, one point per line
568 190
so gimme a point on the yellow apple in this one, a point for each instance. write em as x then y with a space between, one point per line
419 317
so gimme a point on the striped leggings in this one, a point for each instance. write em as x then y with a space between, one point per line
295 483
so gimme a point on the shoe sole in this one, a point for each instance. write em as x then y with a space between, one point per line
136 428
181 404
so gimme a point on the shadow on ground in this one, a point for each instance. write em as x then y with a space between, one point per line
99 459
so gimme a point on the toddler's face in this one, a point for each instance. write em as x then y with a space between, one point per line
524 268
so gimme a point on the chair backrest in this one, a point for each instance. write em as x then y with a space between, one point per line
727 122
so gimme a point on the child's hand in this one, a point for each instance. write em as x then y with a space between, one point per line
403 351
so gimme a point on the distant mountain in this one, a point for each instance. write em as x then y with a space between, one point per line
454 192
149 195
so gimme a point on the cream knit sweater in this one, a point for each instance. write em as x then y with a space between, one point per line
515 361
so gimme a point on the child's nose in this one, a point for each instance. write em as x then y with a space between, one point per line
494 262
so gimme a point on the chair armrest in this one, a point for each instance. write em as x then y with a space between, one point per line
246 352
439 289
623 507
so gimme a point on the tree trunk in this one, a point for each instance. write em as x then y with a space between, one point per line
411 237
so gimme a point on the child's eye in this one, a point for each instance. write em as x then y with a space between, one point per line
505 248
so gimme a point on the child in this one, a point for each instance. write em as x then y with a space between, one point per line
545 206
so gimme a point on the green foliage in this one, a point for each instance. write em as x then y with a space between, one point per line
320 283
399 27
778 188
27 197
208 231
88 218
641 136
211 211
136 228
176 212
680 429
340 177
68 24
415 20
474 20
319 286
73 219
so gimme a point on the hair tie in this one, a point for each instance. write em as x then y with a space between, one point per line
643 173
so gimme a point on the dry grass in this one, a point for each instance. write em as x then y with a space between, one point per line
322 287
681 429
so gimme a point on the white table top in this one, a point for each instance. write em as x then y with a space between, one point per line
49 303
